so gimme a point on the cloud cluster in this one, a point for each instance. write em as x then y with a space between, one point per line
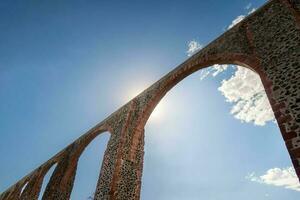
250 104
193 47
285 177
246 91
241 17
236 21
213 70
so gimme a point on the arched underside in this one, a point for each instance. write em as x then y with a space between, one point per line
249 61
267 41
258 43
61 182
191 143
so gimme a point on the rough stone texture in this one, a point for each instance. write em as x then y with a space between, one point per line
34 184
267 41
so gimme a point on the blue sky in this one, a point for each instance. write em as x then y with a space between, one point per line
65 66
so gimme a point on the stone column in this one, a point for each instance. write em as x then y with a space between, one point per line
34 184
32 190
121 172
61 182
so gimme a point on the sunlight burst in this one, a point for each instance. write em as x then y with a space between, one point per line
158 111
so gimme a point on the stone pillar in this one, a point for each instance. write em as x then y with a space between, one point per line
267 41
33 187
121 171
61 182
277 46
14 194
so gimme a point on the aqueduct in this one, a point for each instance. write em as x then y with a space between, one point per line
267 41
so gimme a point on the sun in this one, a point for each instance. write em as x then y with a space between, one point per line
158 112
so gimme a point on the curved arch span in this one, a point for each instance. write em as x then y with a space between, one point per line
180 73
62 179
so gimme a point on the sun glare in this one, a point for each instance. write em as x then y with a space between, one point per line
159 110
133 92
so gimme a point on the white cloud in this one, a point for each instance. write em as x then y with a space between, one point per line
213 70
236 21
252 11
217 69
285 177
246 91
193 47
204 73
241 17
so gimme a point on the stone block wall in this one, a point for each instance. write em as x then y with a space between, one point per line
267 41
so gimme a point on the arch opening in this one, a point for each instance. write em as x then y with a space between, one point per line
46 180
193 65
89 166
190 168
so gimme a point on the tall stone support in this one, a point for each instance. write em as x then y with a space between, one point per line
29 187
13 194
32 189
61 182
277 46
34 184
121 171
267 41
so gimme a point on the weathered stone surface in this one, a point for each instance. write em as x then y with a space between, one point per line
267 41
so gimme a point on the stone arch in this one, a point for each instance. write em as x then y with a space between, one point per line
61 181
42 180
267 41
251 62
183 100
100 142
16 190
249 44
247 61
29 187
